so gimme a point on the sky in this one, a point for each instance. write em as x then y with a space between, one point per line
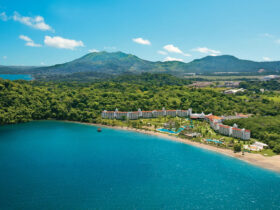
48 32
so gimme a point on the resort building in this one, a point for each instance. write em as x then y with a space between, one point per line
257 146
234 91
145 114
236 116
234 131
215 121
197 116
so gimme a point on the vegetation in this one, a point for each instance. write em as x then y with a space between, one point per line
263 128
237 147
270 85
23 101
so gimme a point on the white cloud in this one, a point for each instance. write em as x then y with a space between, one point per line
187 55
141 41
161 52
93 50
267 35
32 44
267 59
59 42
3 16
173 59
36 22
29 42
172 49
25 38
42 63
206 50
5 57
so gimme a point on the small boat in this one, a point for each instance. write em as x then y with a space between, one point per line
99 130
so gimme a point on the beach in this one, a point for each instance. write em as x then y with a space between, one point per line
270 163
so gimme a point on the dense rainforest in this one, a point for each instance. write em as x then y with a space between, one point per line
23 101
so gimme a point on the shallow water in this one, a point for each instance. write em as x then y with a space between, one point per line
60 165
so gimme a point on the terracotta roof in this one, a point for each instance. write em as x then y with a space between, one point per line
213 117
242 115
224 126
237 129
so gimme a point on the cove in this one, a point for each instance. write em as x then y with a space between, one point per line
60 165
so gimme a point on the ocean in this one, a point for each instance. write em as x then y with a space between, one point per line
61 165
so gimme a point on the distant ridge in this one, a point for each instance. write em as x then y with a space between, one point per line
116 63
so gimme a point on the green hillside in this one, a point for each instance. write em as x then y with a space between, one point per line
105 64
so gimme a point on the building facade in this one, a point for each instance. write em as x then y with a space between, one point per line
145 114
215 121
217 125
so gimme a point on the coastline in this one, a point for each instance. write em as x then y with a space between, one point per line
270 163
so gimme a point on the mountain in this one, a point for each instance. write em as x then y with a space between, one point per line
110 63
100 64
15 69
228 63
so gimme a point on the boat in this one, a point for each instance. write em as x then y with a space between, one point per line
99 130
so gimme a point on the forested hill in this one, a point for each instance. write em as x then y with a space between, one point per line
118 63
23 101
100 64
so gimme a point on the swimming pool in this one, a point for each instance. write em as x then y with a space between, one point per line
170 131
215 141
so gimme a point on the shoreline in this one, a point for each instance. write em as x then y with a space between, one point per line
270 163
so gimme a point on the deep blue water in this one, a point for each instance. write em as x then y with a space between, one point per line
58 165
16 76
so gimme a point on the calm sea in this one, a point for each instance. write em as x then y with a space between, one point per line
59 165
16 76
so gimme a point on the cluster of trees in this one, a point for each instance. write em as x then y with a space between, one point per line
263 128
270 85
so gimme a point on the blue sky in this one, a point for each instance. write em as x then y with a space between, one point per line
47 32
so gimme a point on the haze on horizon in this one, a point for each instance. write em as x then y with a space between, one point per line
57 31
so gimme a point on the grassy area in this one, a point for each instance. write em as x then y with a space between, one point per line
266 152
273 98
243 97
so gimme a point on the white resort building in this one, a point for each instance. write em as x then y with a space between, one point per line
215 121
145 114
234 131
257 146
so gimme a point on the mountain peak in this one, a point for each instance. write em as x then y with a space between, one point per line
104 55
218 57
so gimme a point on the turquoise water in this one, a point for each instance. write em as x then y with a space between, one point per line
57 165
170 131
215 141
16 76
